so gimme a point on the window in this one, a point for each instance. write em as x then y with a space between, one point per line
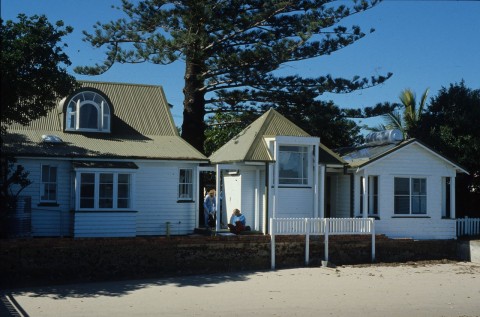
410 196
185 184
293 165
88 111
49 184
372 195
104 190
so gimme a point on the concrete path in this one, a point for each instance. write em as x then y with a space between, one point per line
451 289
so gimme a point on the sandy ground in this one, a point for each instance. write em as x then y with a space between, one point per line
415 289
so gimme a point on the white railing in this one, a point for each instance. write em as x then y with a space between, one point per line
468 227
320 226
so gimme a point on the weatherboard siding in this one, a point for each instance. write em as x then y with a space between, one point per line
157 200
55 220
410 161
104 224
295 202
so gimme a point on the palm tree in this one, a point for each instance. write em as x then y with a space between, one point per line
412 114
408 121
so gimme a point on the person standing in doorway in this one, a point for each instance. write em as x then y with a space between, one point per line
209 206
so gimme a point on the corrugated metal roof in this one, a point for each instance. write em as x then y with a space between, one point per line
142 127
364 155
249 145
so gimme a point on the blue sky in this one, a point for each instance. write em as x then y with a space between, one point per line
425 44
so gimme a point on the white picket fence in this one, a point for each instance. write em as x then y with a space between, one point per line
320 226
468 227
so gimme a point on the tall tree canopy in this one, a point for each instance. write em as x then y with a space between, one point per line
231 49
450 125
33 68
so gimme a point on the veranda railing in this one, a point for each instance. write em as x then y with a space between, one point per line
320 226
468 227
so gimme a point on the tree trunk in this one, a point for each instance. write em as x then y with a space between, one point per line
193 127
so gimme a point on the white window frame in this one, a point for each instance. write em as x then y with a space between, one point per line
305 180
78 101
181 185
410 196
49 182
371 195
96 196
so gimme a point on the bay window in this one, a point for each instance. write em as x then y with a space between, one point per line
104 190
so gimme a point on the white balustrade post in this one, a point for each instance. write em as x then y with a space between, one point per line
272 243
373 238
307 242
326 238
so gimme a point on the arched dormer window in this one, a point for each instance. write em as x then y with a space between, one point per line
88 111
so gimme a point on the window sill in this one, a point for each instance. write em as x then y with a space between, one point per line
188 201
45 204
376 217
293 186
104 211
411 216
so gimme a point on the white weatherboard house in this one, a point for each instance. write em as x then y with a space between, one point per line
273 169
108 161
405 185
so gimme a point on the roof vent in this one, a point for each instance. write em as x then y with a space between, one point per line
50 138
384 137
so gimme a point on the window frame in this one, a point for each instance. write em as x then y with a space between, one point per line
411 195
84 98
190 184
305 180
115 184
49 182
372 195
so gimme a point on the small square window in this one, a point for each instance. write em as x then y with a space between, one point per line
185 184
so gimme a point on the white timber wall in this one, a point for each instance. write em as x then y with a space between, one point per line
410 161
295 202
157 199
49 220
240 192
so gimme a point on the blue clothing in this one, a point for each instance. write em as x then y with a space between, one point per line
209 206
234 219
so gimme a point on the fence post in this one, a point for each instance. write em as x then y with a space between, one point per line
272 243
307 242
326 239
373 238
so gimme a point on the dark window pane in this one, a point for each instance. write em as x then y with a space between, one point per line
402 186
88 117
402 205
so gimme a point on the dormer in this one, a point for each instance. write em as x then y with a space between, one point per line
87 110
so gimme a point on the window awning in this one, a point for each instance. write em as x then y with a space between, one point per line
104 164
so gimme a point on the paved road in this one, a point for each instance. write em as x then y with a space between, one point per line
408 290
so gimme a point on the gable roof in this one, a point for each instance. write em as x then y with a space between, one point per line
250 146
141 127
362 156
